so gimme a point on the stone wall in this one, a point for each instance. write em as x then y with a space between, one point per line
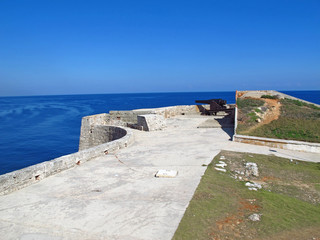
21 178
99 134
97 129
279 143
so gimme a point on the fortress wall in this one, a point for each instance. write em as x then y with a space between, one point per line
279 143
96 129
167 112
24 177
235 120
99 134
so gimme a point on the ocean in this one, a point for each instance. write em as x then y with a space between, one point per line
40 128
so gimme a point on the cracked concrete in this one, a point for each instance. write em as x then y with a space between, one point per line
116 196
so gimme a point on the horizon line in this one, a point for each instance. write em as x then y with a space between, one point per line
120 93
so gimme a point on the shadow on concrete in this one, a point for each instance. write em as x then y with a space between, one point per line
202 109
227 125
229 131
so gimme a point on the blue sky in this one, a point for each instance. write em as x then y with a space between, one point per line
123 46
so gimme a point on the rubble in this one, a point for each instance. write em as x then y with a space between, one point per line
251 169
255 217
220 169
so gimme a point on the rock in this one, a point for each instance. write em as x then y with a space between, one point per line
222 157
251 169
258 120
255 217
254 185
220 169
221 164
166 173
151 122
253 189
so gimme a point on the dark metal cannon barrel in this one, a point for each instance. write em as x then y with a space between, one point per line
219 101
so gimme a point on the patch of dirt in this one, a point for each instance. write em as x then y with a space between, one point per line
268 179
274 113
233 226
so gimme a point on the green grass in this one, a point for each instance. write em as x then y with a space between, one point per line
218 198
300 104
253 116
247 108
258 110
248 103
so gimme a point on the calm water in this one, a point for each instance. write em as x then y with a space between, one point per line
37 129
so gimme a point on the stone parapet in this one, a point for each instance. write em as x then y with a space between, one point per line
151 122
24 177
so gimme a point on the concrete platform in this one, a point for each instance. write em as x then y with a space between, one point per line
117 196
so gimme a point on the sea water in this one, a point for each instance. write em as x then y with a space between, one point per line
40 128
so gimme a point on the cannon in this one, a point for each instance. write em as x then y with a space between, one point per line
216 105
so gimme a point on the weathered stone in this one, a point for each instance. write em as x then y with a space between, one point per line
151 122
222 165
166 173
255 217
253 185
251 169
220 169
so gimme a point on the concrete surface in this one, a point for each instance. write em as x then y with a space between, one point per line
218 122
117 196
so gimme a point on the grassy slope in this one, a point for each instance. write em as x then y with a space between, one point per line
220 206
298 121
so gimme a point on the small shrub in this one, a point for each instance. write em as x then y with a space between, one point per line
258 110
253 116
249 103
269 96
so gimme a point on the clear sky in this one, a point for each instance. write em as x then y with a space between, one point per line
122 46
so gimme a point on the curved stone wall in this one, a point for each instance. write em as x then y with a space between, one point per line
100 134
118 137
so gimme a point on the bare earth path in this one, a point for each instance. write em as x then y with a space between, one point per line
116 196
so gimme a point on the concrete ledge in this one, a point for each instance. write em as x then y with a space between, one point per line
279 143
24 177
151 122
